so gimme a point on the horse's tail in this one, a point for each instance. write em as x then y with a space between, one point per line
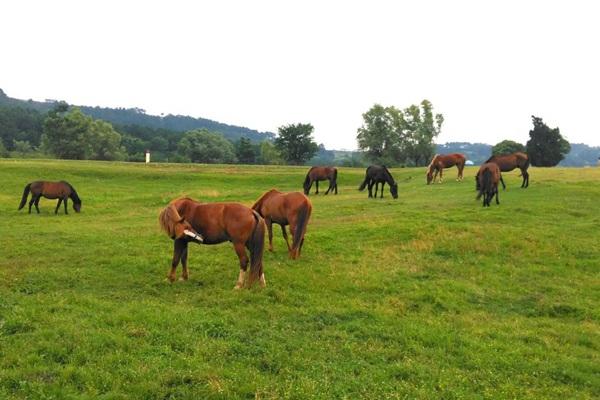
365 182
303 216
256 245
486 184
25 194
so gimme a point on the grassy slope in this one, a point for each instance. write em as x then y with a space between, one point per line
429 296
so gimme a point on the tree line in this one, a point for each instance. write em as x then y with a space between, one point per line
388 135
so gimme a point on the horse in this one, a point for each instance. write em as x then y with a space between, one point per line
291 209
186 220
508 162
488 178
375 175
316 174
441 161
51 190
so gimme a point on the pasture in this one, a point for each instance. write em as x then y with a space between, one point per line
427 296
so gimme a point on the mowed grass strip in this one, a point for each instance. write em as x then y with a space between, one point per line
427 296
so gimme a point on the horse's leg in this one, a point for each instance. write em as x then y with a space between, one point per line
37 201
285 236
335 186
525 178
240 250
497 200
382 185
269 224
317 183
178 247
502 181
184 265
370 189
58 206
441 173
65 203
330 186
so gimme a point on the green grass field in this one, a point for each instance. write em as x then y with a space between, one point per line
429 296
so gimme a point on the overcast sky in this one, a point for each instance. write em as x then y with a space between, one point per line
486 66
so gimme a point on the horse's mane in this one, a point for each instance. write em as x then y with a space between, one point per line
74 196
431 163
167 219
258 203
389 175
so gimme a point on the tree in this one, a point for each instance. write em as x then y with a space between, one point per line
390 136
22 147
206 147
269 154
66 133
105 142
546 147
507 147
245 151
3 151
295 143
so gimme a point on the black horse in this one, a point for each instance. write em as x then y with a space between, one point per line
379 174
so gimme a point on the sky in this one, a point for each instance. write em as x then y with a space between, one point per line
487 66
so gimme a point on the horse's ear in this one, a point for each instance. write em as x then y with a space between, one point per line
181 220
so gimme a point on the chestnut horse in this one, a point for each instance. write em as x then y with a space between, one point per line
441 161
291 209
379 174
487 179
186 220
508 162
51 190
316 174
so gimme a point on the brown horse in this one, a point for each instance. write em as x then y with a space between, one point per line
487 179
508 162
291 209
441 161
186 220
51 190
316 174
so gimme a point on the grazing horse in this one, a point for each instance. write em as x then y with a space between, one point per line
186 220
441 161
316 174
487 179
291 209
379 174
508 162
51 190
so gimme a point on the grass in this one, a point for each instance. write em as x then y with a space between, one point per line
428 296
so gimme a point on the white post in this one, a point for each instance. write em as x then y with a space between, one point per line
147 156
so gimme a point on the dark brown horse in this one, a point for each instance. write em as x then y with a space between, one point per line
291 209
487 179
316 174
508 162
441 161
51 190
186 220
379 174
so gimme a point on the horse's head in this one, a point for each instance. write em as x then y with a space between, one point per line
306 188
77 206
394 190
429 176
176 226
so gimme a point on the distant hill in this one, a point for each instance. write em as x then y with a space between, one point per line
137 116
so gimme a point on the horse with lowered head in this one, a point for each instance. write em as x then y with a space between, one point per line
441 161
379 174
508 162
51 190
186 220
487 180
284 209
316 174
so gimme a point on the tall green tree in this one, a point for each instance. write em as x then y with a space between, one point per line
390 136
66 133
245 151
546 147
295 143
3 151
507 147
269 154
203 146
105 142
